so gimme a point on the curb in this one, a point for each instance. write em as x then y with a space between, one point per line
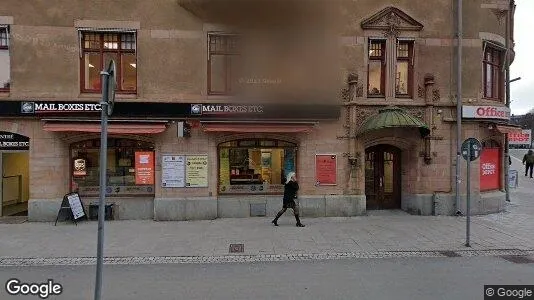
152 260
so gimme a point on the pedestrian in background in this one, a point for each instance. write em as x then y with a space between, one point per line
528 161
290 193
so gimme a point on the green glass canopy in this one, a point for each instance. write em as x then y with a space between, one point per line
393 117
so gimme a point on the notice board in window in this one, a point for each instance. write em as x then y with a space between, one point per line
144 168
326 169
490 169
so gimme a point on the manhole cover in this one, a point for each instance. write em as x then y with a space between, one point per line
450 253
237 248
517 259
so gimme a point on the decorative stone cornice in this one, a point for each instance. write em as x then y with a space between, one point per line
391 21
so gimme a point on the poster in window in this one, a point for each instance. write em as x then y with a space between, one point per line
173 171
489 169
144 168
326 169
196 171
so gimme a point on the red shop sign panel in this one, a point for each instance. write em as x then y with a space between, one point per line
144 167
326 169
490 169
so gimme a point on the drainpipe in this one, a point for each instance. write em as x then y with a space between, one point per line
458 101
507 99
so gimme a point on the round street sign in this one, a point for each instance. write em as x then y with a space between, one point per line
474 145
112 83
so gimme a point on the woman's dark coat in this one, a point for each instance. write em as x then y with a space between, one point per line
290 191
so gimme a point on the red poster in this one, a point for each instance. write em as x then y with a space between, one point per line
144 167
490 169
325 169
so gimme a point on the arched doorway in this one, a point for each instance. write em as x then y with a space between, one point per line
383 177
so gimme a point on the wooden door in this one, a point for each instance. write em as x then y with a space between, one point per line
382 177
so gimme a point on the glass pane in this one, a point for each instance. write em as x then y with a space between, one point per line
375 49
92 68
128 72
111 41
401 78
369 173
128 41
496 88
388 175
489 81
218 73
4 69
403 50
3 37
375 77
91 41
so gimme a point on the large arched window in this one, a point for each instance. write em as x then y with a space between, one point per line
255 166
130 167
490 166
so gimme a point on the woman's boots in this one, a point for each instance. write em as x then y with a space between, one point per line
298 221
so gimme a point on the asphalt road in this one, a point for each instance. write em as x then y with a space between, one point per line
399 278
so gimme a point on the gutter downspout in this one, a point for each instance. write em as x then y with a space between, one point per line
458 101
507 99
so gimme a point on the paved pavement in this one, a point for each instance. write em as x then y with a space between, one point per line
354 237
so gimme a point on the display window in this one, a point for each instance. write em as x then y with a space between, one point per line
255 166
130 168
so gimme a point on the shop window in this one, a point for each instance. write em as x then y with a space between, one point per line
98 48
222 61
490 166
255 166
376 69
5 68
404 69
130 168
493 76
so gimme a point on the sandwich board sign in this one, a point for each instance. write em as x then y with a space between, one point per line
71 208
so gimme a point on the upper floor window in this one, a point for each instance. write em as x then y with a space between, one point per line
404 69
223 53
493 78
5 69
376 69
98 48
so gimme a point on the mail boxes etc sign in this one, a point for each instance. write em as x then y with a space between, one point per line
520 138
485 112
13 141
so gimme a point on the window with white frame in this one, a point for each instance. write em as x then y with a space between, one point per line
5 69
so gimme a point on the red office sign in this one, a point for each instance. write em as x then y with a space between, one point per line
490 169
520 138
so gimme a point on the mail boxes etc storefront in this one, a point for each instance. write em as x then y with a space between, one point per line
170 161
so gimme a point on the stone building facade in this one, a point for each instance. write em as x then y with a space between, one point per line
217 101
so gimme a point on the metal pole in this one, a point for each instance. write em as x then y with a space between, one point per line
458 103
102 200
507 101
468 199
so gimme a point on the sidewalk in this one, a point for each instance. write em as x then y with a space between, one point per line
380 231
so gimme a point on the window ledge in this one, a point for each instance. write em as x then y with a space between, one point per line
4 94
99 96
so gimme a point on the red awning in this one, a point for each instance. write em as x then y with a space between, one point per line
122 128
508 129
257 128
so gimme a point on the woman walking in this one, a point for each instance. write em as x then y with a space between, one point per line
290 191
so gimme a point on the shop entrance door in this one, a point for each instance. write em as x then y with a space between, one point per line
382 177
14 187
